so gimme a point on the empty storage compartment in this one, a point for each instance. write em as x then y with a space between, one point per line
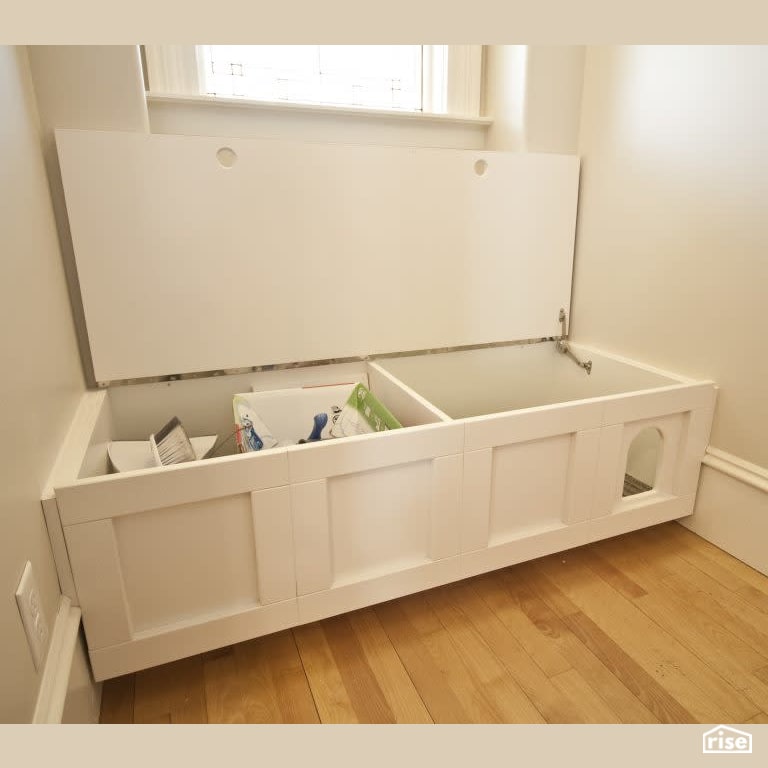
551 451
170 561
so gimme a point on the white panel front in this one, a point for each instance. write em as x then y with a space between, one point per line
183 562
380 520
306 251
528 486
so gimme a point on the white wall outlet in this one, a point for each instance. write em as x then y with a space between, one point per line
31 610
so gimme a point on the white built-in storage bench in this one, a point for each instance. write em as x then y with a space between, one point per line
210 267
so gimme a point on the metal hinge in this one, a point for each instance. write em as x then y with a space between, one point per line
562 345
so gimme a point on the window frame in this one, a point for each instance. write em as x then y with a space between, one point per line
451 76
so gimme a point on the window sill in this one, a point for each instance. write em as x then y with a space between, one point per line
278 106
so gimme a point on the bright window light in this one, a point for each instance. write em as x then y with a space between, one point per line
373 76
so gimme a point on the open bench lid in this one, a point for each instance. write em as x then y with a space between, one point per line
203 254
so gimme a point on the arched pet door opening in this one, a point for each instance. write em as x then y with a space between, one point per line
642 462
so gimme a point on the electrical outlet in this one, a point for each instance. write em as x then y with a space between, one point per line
35 625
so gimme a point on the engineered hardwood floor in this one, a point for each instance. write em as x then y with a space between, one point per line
654 626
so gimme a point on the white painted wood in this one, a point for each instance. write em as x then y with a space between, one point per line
130 492
185 561
374 451
528 484
311 536
299 219
632 514
646 405
527 545
476 499
84 430
668 465
737 468
626 368
53 686
445 512
380 520
383 587
95 563
259 106
732 507
582 469
82 704
273 538
59 549
531 424
411 408
179 641
609 479
511 378
319 529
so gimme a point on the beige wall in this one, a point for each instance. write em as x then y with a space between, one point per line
41 379
672 245
553 104
99 87
533 93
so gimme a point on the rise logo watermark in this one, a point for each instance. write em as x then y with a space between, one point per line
722 740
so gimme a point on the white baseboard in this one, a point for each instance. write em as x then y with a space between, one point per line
732 507
63 678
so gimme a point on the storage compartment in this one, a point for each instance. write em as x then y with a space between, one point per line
554 457
169 561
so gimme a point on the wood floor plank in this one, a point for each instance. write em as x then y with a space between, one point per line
294 696
259 681
706 593
761 718
393 679
574 686
691 682
550 701
237 686
622 684
158 720
458 672
175 690
529 584
608 572
654 696
440 701
762 673
711 640
365 695
328 689
736 577
117 700
538 642
490 676
557 601
713 554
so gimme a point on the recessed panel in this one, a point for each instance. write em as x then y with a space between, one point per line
379 520
183 562
528 485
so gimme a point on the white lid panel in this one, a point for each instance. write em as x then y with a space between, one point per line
305 251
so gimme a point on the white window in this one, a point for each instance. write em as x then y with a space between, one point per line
439 79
